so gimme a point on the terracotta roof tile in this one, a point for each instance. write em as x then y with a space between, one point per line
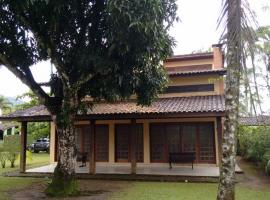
254 121
197 72
195 104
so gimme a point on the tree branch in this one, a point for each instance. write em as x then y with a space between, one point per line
27 78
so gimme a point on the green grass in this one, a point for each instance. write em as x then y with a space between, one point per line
8 183
35 160
13 183
182 191
140 190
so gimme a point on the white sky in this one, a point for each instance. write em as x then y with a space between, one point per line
196 30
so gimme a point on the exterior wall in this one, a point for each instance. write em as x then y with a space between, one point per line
216 62
146 136
187 63
196 80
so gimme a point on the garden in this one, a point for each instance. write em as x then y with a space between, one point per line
254 145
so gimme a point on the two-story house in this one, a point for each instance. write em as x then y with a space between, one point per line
187 117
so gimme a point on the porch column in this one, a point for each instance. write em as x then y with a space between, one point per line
52 143
146 143
92 160
23 147
219 134
133 146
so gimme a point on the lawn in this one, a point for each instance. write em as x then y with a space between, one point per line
12 188
182 191
34 160
15 184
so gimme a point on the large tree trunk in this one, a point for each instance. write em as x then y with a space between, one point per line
64 182
226 189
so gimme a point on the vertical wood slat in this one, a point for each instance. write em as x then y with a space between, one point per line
23 147
219 134
133 145
92 160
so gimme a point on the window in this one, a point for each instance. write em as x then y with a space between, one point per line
102 143
190 88
123 140
157 143
82 137
1 135
206 141
9 131
182 137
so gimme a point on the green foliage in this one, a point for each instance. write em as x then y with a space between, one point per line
3 159
38 130
12 147
32 102
254 143
5 105
12 143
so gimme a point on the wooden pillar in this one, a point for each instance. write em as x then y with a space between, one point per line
23 147
92 159
219 134
133 146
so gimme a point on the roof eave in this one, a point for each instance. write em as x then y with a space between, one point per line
121 116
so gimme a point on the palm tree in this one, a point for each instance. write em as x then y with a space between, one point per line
236 21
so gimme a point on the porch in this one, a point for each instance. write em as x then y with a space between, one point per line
142 169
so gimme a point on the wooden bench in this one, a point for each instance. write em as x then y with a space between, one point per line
185 157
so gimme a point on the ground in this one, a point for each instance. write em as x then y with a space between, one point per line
253 184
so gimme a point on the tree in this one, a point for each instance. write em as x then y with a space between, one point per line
35 129
106 49
33 100
5 105
236 22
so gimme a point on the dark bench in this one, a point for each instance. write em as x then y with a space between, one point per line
82 156
185 157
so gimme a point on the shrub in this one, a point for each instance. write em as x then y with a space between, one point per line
12 156
3 159
12 146
253 142
254 145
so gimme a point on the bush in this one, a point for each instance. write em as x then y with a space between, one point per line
12 156
254 144
3 159
12 146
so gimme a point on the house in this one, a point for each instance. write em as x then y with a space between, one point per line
187 117
8 129
260 120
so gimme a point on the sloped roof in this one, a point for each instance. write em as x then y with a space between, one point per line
162 106
193 56
197 72
254 121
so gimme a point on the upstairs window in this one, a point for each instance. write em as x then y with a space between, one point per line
190 88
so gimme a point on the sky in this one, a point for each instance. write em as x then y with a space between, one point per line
196 30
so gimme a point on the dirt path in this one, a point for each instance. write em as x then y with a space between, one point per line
253 176
91 190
